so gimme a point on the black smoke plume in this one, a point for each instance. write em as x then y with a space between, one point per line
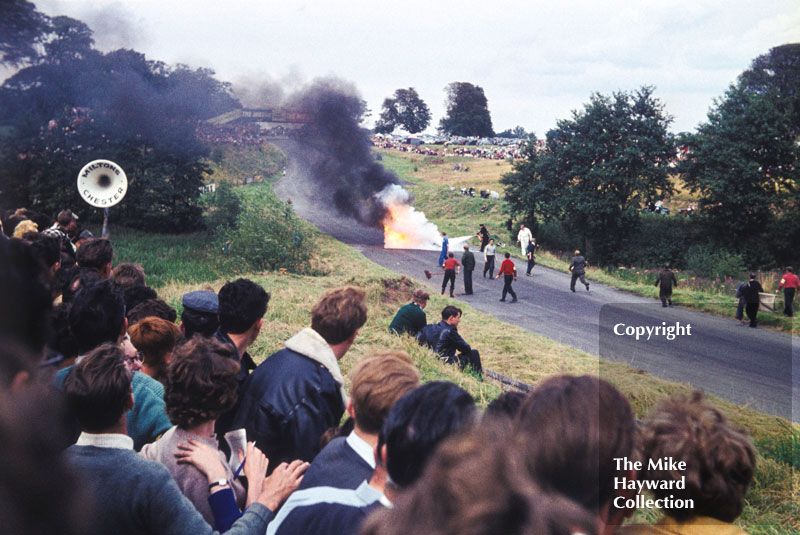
338 150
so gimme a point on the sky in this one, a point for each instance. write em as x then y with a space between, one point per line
536 61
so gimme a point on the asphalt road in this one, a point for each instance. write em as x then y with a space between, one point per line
752 367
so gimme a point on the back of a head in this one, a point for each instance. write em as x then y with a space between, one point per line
377 382
95 253
97 389
45 247
241 304
568 432
418 422
126 275
137 294
339 314
201 382
154 338
504 407
97 315
720 459
25 226
65 217
157 308
25 299
470 487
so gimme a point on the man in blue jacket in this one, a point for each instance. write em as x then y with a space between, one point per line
296 394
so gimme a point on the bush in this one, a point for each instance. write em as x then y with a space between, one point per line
222 209
707 262
268 235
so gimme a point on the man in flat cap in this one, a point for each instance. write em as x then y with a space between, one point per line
411 317
199 316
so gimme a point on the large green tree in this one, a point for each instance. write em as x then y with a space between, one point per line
596 169
405 109
467 111
777 74
22 30
743 162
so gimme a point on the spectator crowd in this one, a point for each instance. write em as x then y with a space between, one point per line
119 416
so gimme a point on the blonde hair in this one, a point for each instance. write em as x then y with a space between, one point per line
25 226
377 382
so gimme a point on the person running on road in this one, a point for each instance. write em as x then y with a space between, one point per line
578 269
509 272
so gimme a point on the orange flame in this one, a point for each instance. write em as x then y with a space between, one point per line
392 236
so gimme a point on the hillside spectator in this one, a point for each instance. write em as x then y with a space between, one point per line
414 428
242 305
720 461
152 308
46 248
568 433
96 254
200 313
136 294
472 487
155 339
504 407
65 229
296 394
376 383
24 227
126 275
752 299
444 339
131 494
411 317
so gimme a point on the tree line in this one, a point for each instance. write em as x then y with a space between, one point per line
598 168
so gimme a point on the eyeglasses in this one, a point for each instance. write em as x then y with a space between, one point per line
135 358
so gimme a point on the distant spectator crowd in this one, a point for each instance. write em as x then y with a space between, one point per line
120 416
513 151
239 134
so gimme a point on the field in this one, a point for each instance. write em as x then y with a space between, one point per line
178 264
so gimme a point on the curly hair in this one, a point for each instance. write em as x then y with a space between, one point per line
720 460
201 382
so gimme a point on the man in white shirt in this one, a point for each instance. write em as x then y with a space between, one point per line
524 237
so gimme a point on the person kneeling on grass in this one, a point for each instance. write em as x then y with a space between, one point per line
444 339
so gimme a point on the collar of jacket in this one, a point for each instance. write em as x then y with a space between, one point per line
309 343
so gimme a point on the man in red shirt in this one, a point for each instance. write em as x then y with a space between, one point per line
450 269
509 272
789 283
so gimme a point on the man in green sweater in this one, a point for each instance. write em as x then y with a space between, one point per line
411 317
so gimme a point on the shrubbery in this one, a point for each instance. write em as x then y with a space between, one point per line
222 209
268 234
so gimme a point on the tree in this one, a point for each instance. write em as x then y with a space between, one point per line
743 163
777 74
405 109
596 170
22 29
517 132
467 111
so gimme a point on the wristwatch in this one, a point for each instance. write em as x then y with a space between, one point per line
219 483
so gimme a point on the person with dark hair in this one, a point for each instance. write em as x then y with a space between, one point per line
415 426
530 254
504 407
752 299
65 229
450 266
445 250
296 394
468 262
471 486
40 493
25 296
126 275
242 305
719 466
138 294
131 494
97 316
155 339
444 339
201 384
376 383
665 281
568 435
790 283
411 317
96 254
483 235
509 272
157 308
46 248
578 269
200 313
